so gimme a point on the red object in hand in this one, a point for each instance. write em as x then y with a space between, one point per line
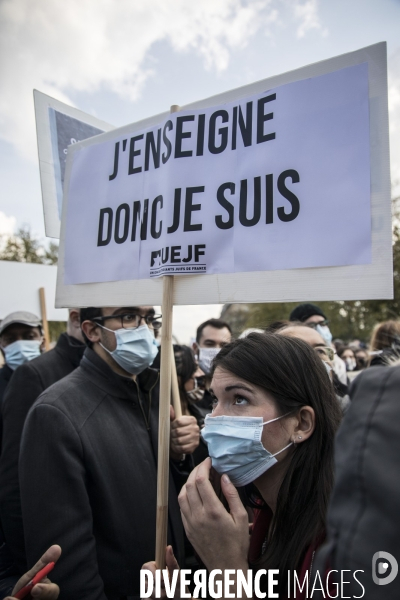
37 579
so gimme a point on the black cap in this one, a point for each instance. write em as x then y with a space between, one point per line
302 312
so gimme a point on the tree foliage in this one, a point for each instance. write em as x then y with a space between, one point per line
24 247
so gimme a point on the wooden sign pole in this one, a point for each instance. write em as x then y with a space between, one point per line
167 364
176 398
44 318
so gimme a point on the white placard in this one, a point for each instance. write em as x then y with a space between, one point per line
20 290
58 125
337 235
254 185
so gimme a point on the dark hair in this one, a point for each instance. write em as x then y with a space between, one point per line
185 363
340 351
217 323
87 314
302 312
289 369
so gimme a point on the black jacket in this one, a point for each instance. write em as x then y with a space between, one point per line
88 477
5 376
28 382
363 514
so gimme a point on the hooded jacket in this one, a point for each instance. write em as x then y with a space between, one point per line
88 476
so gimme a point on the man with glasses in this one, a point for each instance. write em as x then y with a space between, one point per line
327 354
88 465
312 316
211 336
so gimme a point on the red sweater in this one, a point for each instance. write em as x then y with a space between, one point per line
262 521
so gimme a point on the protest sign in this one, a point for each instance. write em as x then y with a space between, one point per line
22 290
269 191
242 186
58 125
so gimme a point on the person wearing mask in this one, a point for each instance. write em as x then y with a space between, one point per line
347 355
312 316
96 432
271 434
211 336
326 353
28 382
191 391
21 339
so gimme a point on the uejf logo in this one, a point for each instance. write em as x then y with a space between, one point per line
384 568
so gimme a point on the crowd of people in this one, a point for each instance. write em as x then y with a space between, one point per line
254 449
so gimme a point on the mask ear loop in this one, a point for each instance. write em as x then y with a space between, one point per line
100 344
285 448
277 419
103 327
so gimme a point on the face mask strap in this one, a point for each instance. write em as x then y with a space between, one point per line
277 418
283 449
106 328
106 349
100 344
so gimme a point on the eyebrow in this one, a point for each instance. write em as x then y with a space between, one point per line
238 386
131 309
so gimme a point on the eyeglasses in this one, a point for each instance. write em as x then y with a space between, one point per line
133 320
323 323
325 351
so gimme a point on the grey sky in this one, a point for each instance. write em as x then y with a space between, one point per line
127 60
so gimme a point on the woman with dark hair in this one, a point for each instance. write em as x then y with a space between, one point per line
271 434
347 355
191 392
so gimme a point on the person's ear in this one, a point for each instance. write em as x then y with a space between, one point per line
305 425
195 348
92 331
74 318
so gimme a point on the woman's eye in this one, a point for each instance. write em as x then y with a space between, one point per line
239 400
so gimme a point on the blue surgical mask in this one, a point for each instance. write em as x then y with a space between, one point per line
235 447
21 351
136 348
325 332
206 356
